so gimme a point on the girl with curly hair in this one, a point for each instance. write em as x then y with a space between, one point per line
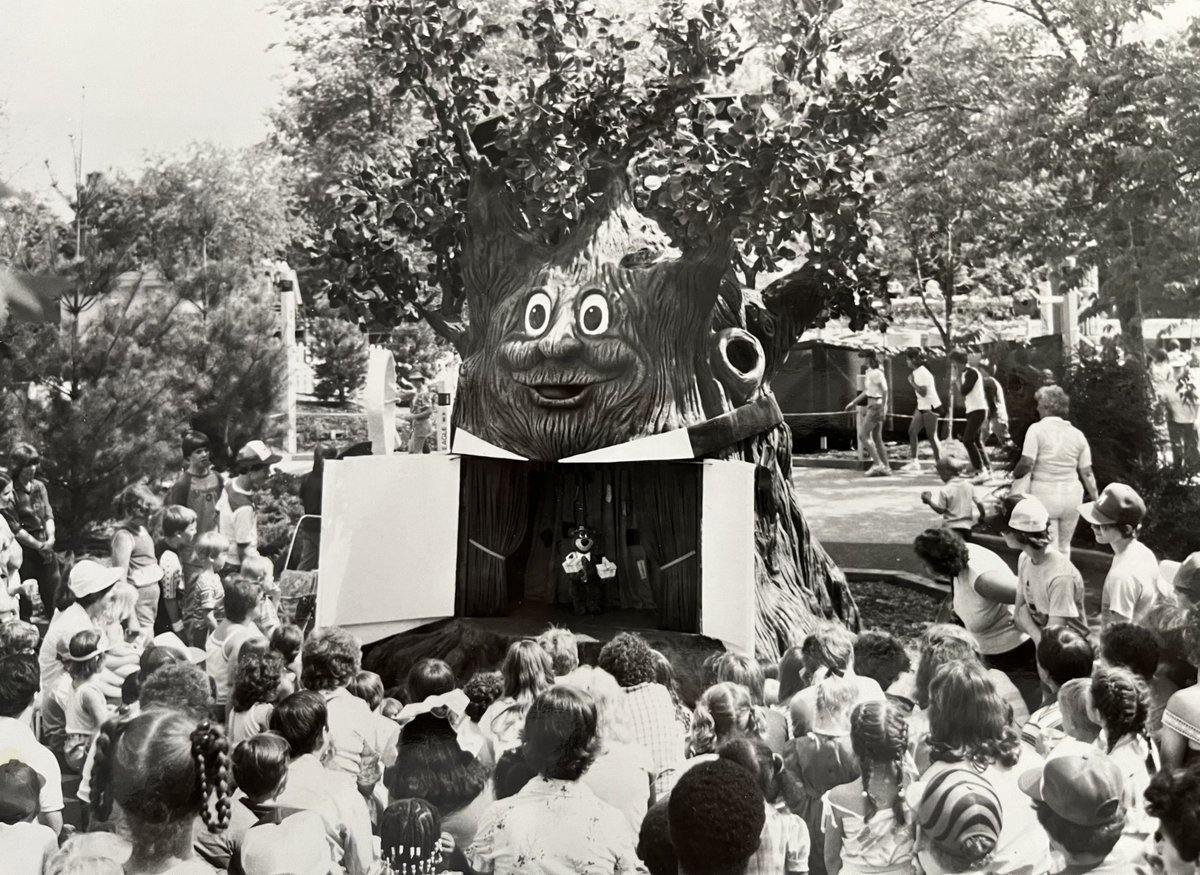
971 727
161 771
555 823
527 671
1119 703
255 691
868 824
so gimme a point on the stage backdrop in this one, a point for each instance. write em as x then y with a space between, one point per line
390 545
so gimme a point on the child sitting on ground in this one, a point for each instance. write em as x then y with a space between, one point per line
868 824
86 707
410 832
202 600
255 692
281 839
261 570
956 500
178 532
26 846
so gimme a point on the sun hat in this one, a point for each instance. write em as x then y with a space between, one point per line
1029 516
1084 789
20 790
89 577
960 812
257 453
1118 504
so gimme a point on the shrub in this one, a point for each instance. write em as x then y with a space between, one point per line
340 352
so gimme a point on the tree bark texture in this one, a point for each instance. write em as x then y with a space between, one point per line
614 334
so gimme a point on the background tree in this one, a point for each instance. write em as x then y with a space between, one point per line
418 352
582 163
340 354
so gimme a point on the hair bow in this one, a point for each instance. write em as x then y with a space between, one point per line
445 705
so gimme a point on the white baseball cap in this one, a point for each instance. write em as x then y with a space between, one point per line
258 453
1029 516
89 576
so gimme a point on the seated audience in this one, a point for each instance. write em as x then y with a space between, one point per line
556 823
527 671
715 815
971 726
385 732
724 711
664 673
483 688
1063 654
561 647
161 771
302 720
19 677
784 845
1078 801
255 691
828 650
629 659
881 656
1174 798
25 845
868 823
410 833
332 658
1118 704
622 774
86 708
224 644
737 668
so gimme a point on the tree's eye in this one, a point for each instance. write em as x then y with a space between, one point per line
593 314
537 314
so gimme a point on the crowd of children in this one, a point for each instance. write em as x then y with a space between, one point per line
170 720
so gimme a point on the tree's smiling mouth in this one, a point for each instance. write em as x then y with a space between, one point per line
559 394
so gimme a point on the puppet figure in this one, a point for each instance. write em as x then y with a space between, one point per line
587 572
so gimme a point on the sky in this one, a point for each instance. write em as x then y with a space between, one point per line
158 74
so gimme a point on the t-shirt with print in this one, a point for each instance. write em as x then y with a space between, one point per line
930 400
1131 585
1052 589
201 495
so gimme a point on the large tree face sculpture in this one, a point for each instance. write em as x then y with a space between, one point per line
583 345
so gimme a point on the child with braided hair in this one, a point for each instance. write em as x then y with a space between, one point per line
412 841
868 824
1119 703
723 711
160 770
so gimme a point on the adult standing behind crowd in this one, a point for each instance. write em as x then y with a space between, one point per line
974 395
133 550
1058 461
870 427
984 593
925 417
236 514
35 532
1131 586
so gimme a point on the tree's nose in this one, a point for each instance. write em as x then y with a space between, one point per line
561 341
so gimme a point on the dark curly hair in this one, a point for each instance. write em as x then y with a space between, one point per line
561 736
943 550
430 765
482 689
880 656
969 720
1131 645
332 657
1174 798
180 686
879 736
163 769
1122 701
256 680
716 814
1099 839
629 659
1063 654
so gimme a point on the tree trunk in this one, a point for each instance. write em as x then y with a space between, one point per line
613 335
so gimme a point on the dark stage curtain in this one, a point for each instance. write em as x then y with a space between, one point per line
667 504
492 523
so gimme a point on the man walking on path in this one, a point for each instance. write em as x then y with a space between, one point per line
1133 583
925 417
870 430
975 399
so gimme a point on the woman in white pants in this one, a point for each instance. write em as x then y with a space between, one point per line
1058 460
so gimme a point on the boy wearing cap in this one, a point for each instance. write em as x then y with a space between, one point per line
237 517
1078 801
25 846
1132 585
1049 587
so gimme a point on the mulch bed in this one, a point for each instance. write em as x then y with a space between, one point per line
893 608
